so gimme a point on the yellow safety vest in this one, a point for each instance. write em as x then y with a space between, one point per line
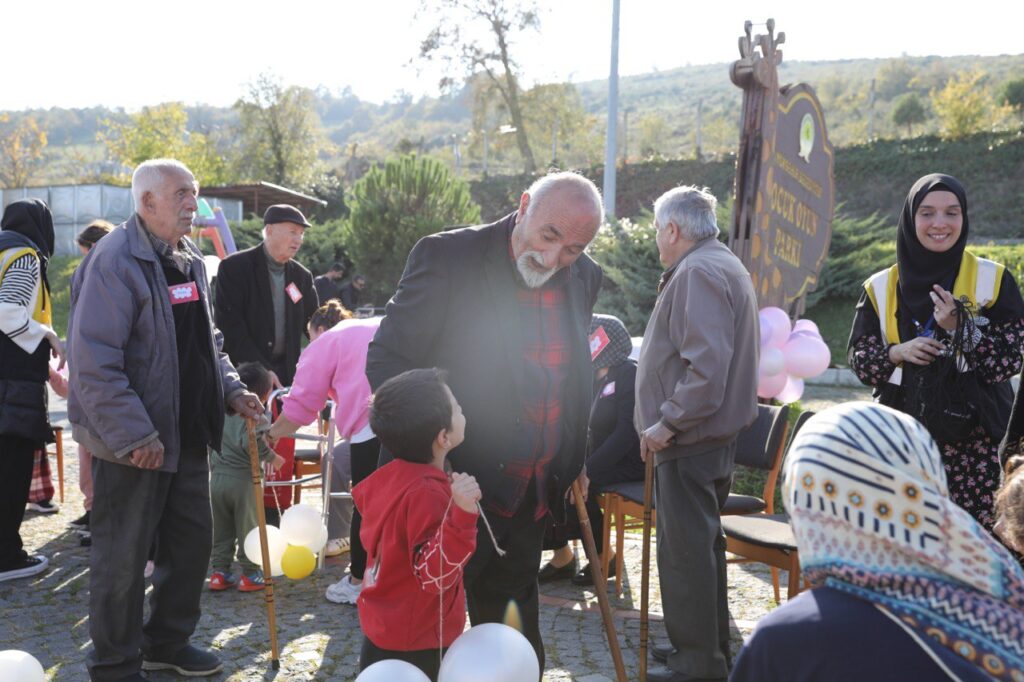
41 308
979 280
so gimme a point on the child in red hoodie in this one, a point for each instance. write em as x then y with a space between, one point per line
419 529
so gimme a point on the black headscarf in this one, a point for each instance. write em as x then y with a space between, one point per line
921 269
620 345
30 218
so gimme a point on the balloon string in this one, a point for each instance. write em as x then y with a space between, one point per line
440 593
490 531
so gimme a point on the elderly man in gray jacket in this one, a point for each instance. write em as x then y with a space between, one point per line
696 390
149 388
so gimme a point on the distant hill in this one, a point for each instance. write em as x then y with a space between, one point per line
661 108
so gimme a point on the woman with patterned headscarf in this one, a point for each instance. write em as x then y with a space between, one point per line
906 584
613 444
922 356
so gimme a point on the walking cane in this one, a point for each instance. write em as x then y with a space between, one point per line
645 563
268 580
600 585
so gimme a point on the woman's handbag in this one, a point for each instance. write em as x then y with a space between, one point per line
943 394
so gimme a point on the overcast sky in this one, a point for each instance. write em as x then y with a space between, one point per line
129 54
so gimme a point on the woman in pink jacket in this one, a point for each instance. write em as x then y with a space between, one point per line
334 366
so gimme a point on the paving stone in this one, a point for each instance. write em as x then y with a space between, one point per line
47 615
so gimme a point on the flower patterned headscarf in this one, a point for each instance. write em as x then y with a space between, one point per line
870 509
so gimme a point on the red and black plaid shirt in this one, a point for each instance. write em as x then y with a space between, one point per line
543 315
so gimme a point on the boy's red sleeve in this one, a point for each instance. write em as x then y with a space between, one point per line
443 537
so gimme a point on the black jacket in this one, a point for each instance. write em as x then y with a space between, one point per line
456 308
614 444
245 311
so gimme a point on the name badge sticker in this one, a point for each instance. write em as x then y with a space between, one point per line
293 292
608 390
183 293
598 342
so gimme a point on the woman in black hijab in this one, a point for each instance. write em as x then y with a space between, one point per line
939 334
26 341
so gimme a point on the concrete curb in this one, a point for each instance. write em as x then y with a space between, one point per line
842 376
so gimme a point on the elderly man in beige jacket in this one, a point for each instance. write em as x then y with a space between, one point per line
695 390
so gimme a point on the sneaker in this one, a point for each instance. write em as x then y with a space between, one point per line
44 507
252 582
86 540
29 566
189 662
337 546
81 523
343 591
219 580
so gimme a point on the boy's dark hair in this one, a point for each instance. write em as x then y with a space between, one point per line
408 411
1009 502
256 378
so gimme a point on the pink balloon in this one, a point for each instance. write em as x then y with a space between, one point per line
769 386
773 361
779 324
805 324
806 356
792 391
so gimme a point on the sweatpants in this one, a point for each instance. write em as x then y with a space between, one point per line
234 515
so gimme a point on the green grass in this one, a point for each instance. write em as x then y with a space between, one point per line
59 273
834 316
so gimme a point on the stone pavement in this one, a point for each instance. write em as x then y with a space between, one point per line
48 615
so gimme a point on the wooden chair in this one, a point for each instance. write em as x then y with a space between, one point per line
767 537
760 445
58 450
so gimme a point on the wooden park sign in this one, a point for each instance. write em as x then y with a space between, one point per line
785 187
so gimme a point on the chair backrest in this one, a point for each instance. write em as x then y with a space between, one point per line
799 424
760 445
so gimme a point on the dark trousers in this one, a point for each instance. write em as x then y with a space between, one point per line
493 581
691 491
364 463
16 460
132 508
427 660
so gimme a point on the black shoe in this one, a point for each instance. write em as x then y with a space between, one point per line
136 677
81 523
550 573
661 652
29 566
583 576
189 662
86 540
44 507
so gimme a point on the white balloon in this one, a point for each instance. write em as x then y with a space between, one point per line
492 652
20 666
319 542
773 361
276 545
301 524
392 670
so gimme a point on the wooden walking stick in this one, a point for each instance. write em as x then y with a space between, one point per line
600 585
268 580
645 563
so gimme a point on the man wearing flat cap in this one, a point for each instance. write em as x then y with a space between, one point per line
265 298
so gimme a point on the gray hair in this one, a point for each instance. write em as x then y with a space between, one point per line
577 184
149 174
692 209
